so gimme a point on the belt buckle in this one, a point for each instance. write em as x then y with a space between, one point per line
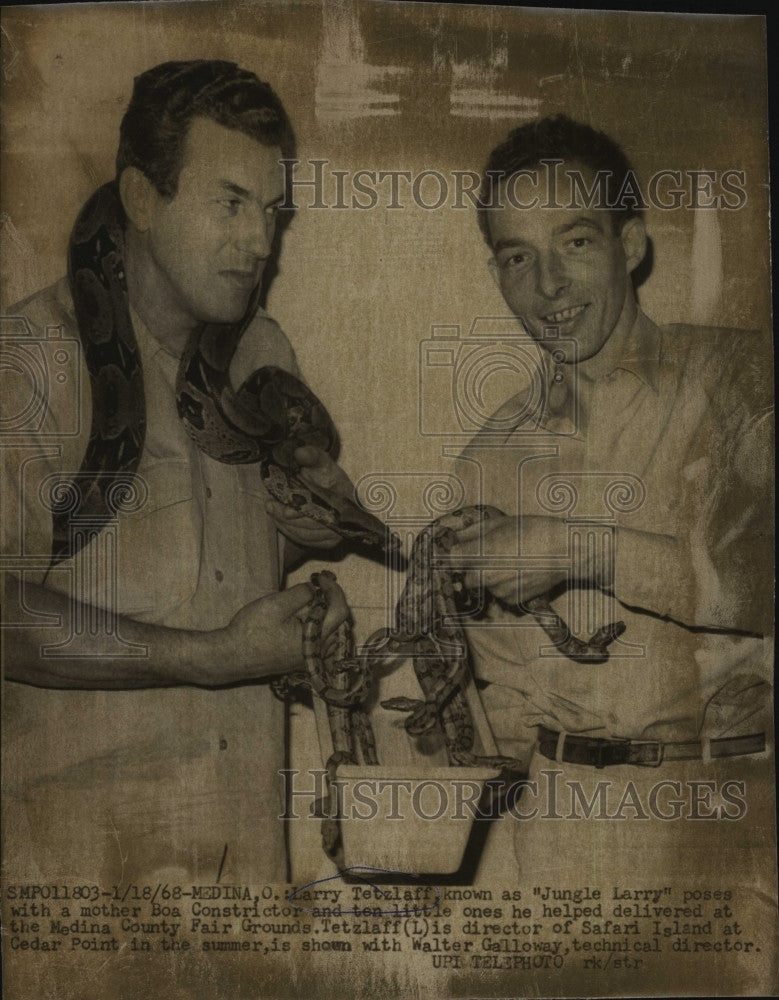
659 748
610 752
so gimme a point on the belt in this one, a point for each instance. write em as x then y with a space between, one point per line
595 752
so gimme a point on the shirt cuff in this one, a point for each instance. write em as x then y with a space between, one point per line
655 572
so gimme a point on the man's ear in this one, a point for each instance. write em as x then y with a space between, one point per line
633 238
138 195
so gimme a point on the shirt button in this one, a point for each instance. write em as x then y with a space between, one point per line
208 492
219 576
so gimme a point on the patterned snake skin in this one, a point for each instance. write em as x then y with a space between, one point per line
264 421
343 682
427 629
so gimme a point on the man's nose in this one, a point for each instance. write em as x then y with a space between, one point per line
254 234
551 275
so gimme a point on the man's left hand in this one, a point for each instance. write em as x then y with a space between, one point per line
317 470
504 537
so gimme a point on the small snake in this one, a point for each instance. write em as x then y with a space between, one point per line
431 598
342 681
427 629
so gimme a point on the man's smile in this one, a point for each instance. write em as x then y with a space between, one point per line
565 314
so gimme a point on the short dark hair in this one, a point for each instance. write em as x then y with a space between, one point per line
167 97
557 137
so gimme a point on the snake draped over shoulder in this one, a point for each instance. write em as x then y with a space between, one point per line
264 421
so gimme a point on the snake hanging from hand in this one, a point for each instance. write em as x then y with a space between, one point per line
264 421
343 682
427 628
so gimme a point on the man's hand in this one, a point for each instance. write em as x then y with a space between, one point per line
503 538
320 473
266 637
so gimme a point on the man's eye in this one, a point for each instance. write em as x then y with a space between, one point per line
514 261
579 242
273 210
231 204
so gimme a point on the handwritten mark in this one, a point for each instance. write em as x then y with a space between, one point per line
221 864
412 912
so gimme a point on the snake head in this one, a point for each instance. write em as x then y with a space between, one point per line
423 720
357 524
595 650
424 714
401 704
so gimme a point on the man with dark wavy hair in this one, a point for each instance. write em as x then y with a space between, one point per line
551 143
166 98
145 742
636 490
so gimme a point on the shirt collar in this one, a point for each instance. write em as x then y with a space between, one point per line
148 344
636 350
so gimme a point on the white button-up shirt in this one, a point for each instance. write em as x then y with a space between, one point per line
667 434
148 780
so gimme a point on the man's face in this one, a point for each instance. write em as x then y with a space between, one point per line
564 268
210 242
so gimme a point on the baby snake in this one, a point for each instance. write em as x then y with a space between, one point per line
343 682
427 627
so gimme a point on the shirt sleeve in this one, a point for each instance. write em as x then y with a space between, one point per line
44 430
735 534
738 533
715 570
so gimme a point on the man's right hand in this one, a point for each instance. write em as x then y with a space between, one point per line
266 637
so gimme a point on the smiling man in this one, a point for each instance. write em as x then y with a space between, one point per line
638 490
143 741
568 268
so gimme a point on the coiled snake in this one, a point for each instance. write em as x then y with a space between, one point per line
428 628
264 421
343 682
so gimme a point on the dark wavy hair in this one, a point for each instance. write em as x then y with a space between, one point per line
167 97
557 137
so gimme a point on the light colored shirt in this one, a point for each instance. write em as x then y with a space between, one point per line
174 775
666 433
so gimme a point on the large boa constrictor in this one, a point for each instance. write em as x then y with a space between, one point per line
264 421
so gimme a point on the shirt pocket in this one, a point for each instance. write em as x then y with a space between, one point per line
159 544
261 544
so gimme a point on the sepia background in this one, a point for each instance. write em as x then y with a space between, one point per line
400 86
396 86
